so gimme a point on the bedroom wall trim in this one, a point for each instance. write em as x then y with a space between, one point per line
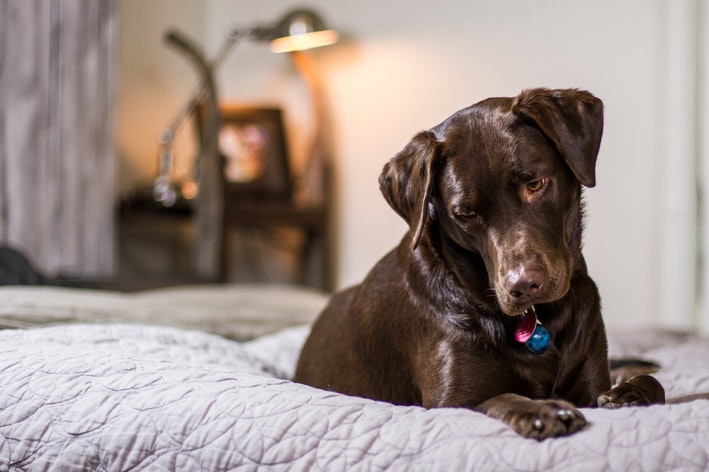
702 313
58 69
678 267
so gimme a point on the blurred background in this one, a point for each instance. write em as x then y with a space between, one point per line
397 69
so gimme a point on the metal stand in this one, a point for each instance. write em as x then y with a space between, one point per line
210 198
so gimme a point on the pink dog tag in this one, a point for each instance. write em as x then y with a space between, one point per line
526 322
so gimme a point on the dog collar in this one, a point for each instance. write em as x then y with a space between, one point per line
530 331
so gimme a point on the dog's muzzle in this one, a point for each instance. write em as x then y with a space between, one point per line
524 284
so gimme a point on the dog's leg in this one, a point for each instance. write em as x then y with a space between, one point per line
537 419
625 369
637 391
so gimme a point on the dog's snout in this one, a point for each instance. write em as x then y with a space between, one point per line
524 283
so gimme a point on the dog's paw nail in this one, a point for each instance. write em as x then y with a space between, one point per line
564 415
538 425
603 401
607 402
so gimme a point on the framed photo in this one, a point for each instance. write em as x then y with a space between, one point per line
253 148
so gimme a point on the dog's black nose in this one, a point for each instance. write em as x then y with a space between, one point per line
524 283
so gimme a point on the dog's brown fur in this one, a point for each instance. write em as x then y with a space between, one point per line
493 199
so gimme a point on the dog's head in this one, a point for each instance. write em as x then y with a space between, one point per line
501 180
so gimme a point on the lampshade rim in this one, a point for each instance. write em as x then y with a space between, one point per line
299 42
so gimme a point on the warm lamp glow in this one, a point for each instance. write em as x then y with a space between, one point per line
300 42
299 30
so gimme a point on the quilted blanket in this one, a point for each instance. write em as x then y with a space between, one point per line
134 397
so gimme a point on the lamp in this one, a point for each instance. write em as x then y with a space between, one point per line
300 30
297 30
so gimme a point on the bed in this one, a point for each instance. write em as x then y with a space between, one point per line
196 378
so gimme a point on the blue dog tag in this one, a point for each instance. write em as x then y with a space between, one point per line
539 341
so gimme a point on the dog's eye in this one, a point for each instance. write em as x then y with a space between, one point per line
465 213
536 185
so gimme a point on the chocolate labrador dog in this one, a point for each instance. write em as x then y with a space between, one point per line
486 303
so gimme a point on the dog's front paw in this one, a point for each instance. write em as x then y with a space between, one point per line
638 391
541 419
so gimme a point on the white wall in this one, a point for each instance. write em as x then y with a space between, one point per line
403 68
154 83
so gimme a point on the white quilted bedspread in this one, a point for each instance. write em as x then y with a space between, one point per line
129 397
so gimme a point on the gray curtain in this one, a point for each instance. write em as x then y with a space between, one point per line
57 153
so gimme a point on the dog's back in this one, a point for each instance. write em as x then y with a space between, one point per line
355 332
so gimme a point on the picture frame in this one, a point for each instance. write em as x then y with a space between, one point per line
252 146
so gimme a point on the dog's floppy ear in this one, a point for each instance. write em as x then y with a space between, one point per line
572 119
407 181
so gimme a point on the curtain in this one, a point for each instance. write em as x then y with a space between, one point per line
57 152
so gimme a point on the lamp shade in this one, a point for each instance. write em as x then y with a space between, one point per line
299 30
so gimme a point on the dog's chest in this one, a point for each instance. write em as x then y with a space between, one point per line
506 368
536 375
